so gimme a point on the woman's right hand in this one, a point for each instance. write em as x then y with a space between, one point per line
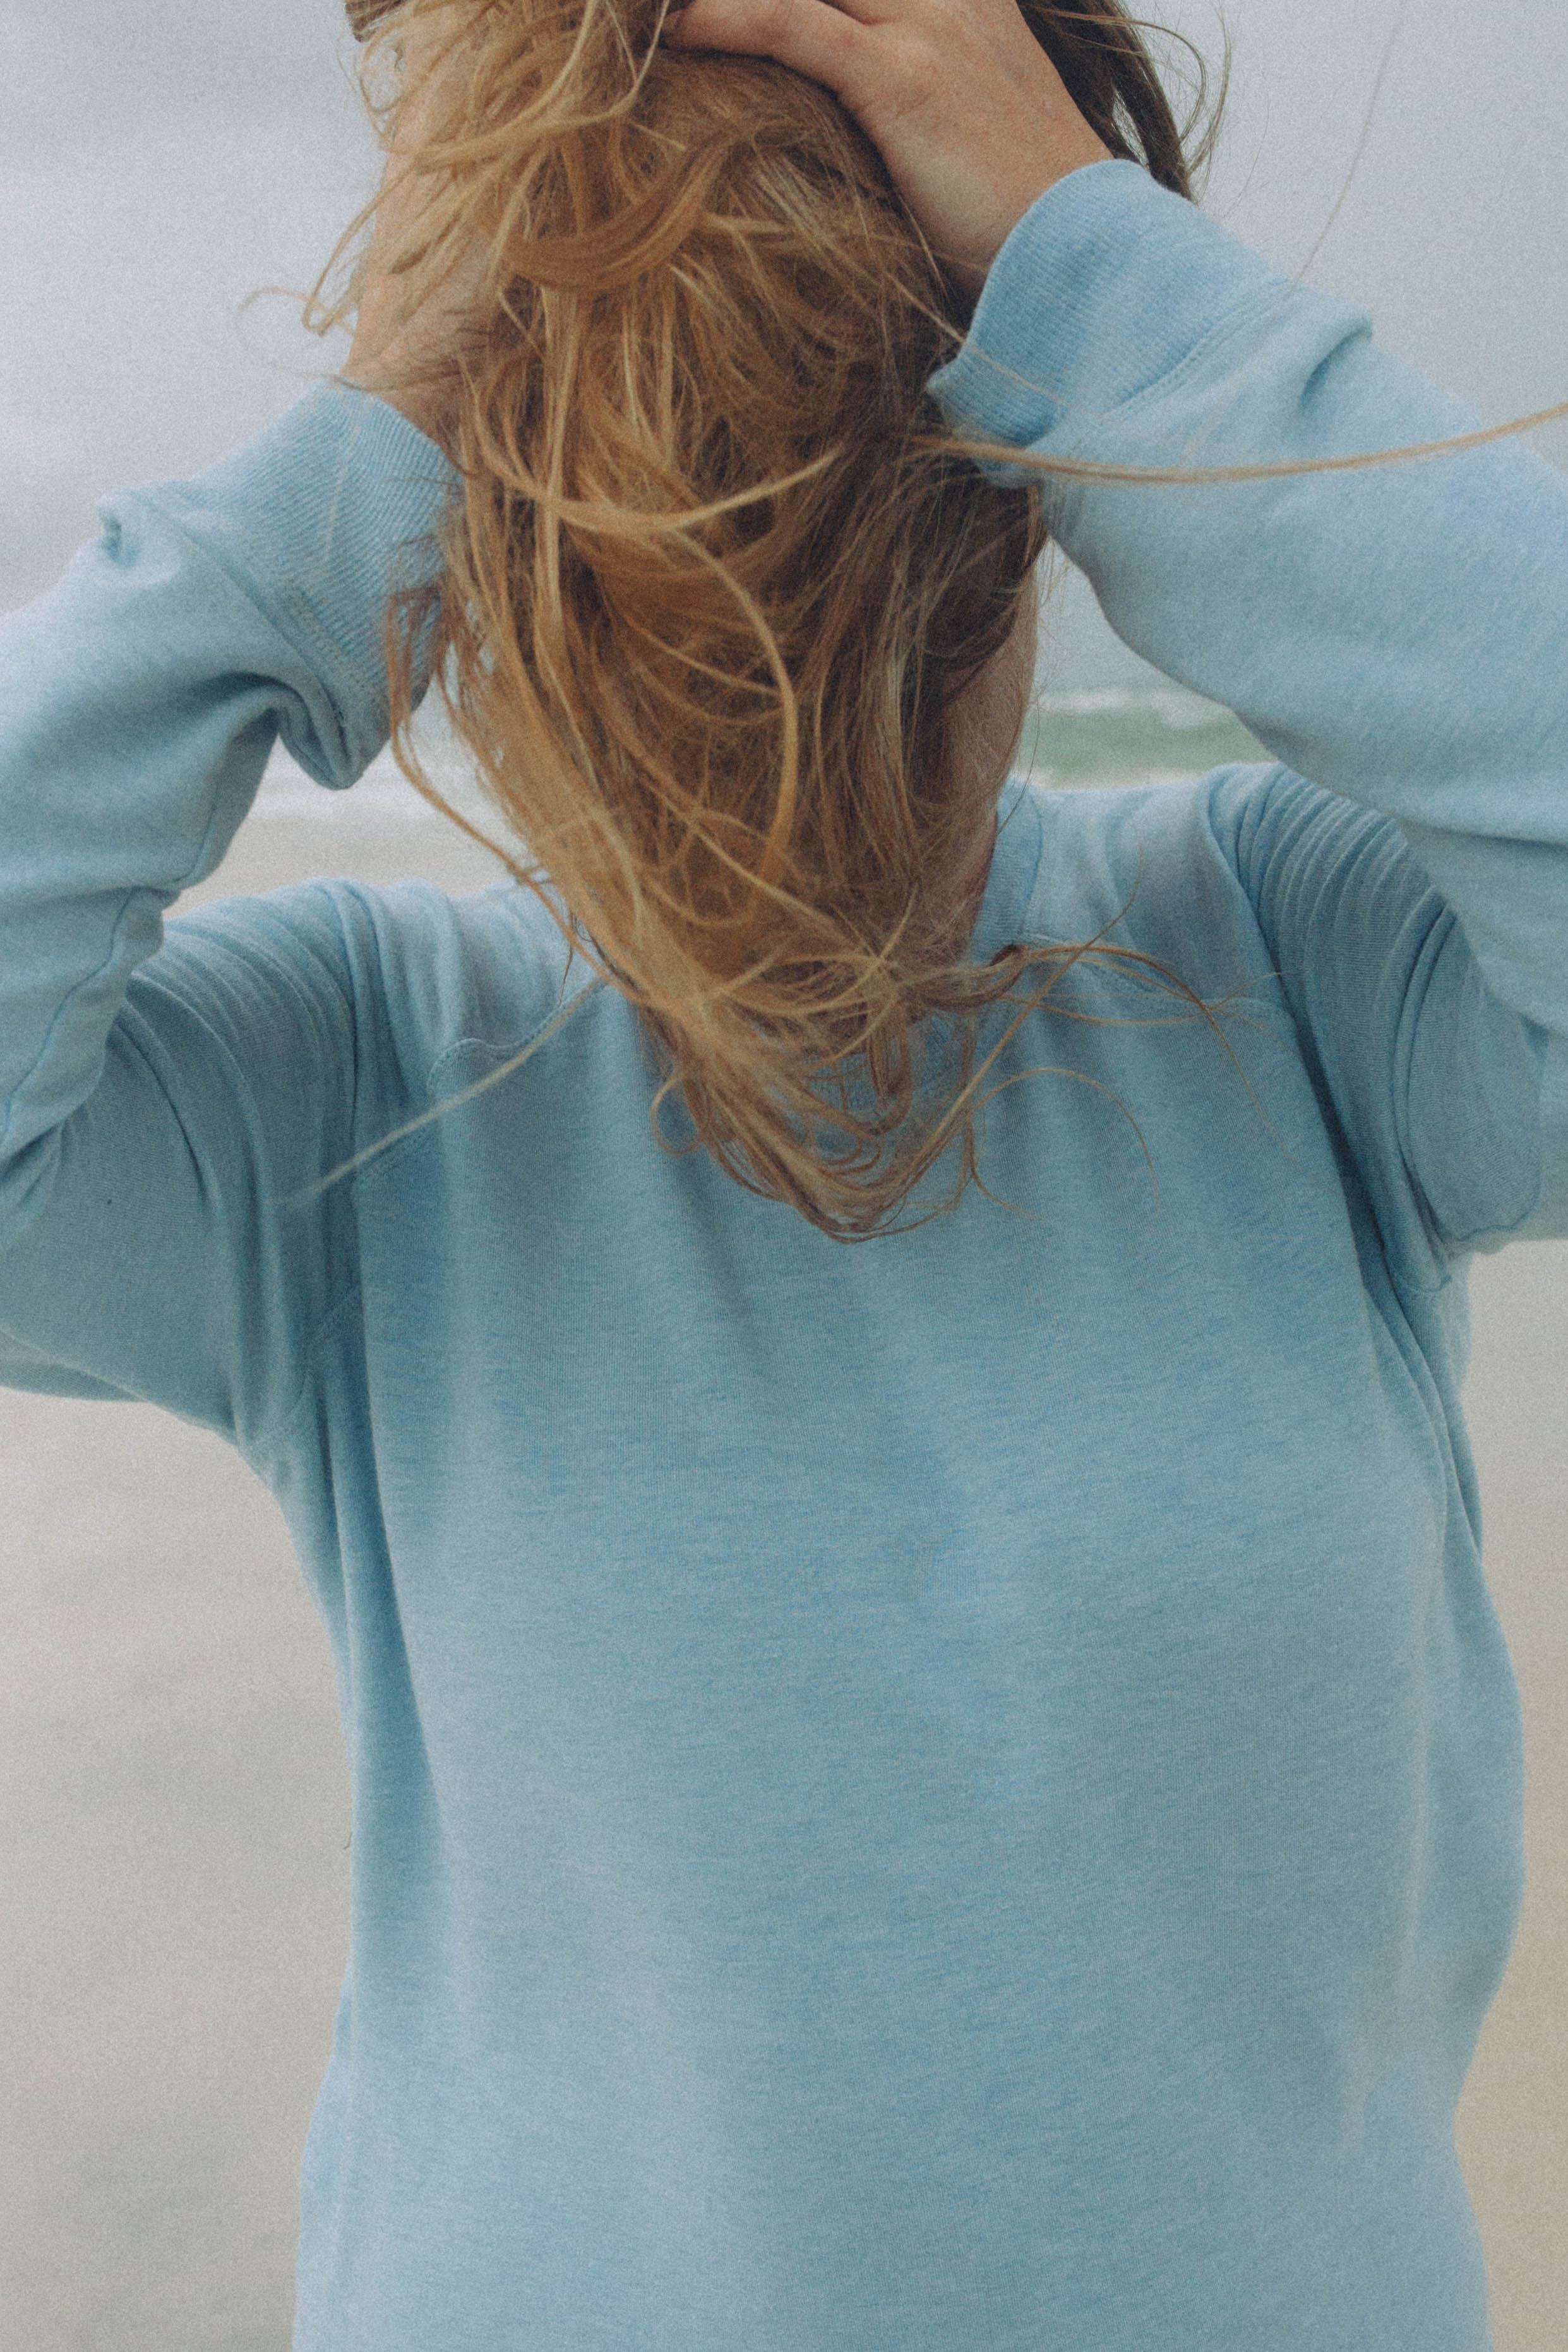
964 108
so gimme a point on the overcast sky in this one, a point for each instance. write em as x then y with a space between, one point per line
159 158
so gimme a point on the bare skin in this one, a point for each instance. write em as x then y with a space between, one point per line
974 124
968 112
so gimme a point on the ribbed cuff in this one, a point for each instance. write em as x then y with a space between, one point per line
320 519
1107 284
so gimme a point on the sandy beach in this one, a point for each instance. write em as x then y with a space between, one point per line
175 1814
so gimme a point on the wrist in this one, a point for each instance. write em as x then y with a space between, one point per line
1131 278
427 406
1074 151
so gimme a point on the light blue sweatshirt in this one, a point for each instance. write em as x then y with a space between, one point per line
956 1794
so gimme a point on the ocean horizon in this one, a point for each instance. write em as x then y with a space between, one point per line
1100 736
178 1807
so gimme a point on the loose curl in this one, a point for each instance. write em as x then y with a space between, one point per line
716 574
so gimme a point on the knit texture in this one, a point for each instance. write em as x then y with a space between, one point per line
956 1794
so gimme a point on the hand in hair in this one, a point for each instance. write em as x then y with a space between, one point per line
968 114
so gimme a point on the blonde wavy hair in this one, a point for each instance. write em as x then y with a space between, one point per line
717 573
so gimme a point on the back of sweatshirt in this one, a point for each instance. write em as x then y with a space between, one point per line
960 1793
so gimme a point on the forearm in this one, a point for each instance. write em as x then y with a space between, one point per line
1397 635
144 694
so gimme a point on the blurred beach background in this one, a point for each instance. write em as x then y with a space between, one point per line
173 1801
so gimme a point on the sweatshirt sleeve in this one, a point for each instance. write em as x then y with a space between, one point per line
161 1097
1398 635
